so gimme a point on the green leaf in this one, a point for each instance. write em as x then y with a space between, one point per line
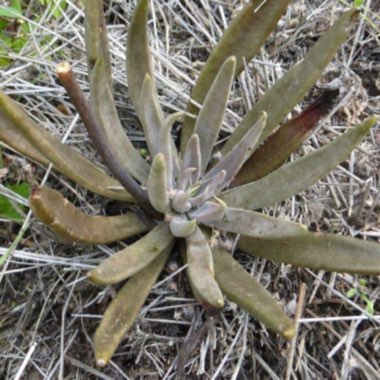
244 290
290 89
96 39
67 221
351 293
134 258
157 185
300 174
292 243
139 60
106 113
10 12
317 251
243 39
210 118
124 309
201 270
22 134
7 210
150 115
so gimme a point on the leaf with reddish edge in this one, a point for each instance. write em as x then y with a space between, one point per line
298 175
243 38
240 287
68 222
287 139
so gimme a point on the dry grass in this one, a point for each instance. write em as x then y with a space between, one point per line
49 312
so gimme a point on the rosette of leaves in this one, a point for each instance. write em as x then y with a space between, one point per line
185 195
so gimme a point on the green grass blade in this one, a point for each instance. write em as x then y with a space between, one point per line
297 176
68 222
134 258
243 38
124 309
239 287
290 89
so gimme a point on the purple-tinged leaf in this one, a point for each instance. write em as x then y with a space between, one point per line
191 159
287 139
209 212
242 151
298 175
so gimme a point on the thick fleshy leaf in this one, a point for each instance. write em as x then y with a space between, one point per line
139 61
243 39
124 309
191 164
105 111
180 201
201 270
317 251
210 118
300 174
151 116
68 222
208 212
181 226
157 186
235 158
290 89
13 139
287 139
239 287
292 243
255 224
30 137
168 148
96 38
134 258
208 188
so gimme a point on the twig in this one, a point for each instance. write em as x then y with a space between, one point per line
301 301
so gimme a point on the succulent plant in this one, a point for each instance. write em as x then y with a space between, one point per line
187 194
